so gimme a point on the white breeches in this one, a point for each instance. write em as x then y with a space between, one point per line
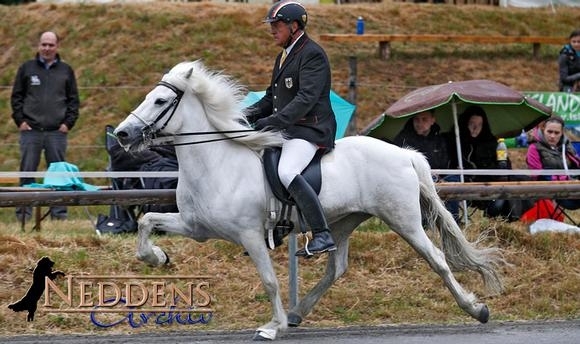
296 155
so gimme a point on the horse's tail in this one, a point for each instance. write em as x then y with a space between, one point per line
460 254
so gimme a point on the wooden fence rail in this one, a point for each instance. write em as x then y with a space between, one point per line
384 40
447 191
18 197
85 198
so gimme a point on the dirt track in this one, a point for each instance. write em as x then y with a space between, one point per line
548 332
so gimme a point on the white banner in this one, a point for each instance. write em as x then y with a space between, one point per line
539 3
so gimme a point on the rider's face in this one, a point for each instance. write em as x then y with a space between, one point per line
281 32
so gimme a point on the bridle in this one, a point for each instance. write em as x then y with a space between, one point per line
150 133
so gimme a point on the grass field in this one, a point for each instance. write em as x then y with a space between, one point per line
387 283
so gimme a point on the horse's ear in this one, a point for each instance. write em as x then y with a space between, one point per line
189 73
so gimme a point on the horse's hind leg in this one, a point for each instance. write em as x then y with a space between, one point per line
416 237
166 222
335 267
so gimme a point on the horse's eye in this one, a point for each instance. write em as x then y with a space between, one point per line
160 101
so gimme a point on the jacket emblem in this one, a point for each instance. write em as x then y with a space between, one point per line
34 80
288 82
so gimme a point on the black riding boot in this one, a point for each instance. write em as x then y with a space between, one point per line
308 203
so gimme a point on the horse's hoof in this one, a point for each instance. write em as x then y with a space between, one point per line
483 314
259 338
167 256
264 335
161 256
294 320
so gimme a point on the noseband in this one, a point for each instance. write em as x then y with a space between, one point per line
148 131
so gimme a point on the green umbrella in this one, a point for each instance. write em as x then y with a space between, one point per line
508 110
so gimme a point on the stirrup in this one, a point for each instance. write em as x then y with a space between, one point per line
304 252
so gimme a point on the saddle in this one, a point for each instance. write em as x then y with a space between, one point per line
312 174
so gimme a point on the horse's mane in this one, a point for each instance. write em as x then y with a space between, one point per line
222 98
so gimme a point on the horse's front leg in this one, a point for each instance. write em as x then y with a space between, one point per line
167 222
256 248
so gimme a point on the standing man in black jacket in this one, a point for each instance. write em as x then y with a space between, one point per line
298 103
45 106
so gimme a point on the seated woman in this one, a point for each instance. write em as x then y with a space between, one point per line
478 144
550 149
478 149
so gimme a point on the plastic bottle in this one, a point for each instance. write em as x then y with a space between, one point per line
522 140
360 26
501 154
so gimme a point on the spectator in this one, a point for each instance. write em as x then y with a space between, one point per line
423 134
569 64
45 107
478 144
123 219
478 147
156 159
550 149
297 103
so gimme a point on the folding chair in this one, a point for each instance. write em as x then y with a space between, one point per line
560 210
543 209
160 159
121 218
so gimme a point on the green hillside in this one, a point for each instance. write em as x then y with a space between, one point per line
120 51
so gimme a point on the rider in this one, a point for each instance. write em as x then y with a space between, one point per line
297 102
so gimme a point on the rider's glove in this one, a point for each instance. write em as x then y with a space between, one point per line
270 121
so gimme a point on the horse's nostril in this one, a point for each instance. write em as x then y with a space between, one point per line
121 134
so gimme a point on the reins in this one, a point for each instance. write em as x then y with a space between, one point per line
204 141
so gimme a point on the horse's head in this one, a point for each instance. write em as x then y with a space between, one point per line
191 101
157 114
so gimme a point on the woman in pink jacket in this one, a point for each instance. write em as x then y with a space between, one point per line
551 150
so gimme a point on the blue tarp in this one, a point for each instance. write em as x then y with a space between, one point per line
343 110
63 176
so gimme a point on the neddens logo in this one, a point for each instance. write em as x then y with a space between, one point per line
137 300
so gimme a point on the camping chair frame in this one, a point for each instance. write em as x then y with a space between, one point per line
560 211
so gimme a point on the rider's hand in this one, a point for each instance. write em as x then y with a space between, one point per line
262 123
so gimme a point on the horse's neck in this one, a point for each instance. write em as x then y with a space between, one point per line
215 163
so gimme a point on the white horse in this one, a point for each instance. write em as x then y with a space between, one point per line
222 192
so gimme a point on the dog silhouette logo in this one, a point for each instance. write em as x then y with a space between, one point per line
29 301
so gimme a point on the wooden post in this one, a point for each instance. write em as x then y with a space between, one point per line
351 129
536 50
384 50
37 218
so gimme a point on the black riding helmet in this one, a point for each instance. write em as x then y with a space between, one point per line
287 11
